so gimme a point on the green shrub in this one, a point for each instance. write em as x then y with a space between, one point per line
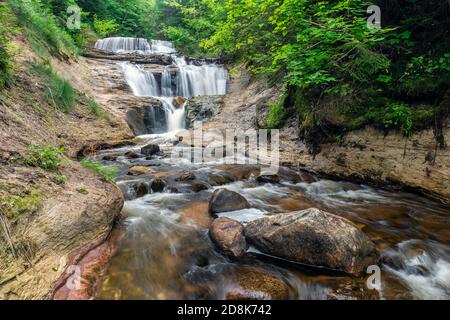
5 55
275 116
45 34
396 115
96 109
108 172
105 28
45 157
59 91
60 179
13 206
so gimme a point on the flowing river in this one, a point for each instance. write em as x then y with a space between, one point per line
166 252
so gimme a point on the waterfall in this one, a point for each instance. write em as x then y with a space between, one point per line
141 82
175 117
137 45
181 79
166 84
204 80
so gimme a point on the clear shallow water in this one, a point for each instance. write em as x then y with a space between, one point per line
167 254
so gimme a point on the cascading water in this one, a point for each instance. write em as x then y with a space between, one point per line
142 83
179 80
134 45
166 83
166 251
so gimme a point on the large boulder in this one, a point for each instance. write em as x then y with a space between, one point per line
314 237
223 200
150 150
228 235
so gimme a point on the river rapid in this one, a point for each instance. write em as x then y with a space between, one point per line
166 252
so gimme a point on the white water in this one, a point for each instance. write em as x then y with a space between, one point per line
134 45
189 80
141 82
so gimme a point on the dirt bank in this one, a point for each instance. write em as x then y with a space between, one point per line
47 216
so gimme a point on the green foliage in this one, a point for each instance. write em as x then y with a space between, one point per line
395 116
5 54
60 179
131 18
105 28
189 23
59 92
42 28
13 206
108 172
275 116
45 157
96 109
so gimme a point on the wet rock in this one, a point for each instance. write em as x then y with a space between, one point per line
316 238
266 178
228 235
289 174
160 59
138 170
220 179
258 284
158 185
150 150
186 176
173 190
131 154
202 108
141 189
352 289
197 187
110 158
92 148
223 200
239 171
179 101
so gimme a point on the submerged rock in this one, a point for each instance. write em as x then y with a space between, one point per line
258 284
158 185
150 150
220 179
316 238
266 178
110 158
197 187
186 176
223 200
131 155
228 235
